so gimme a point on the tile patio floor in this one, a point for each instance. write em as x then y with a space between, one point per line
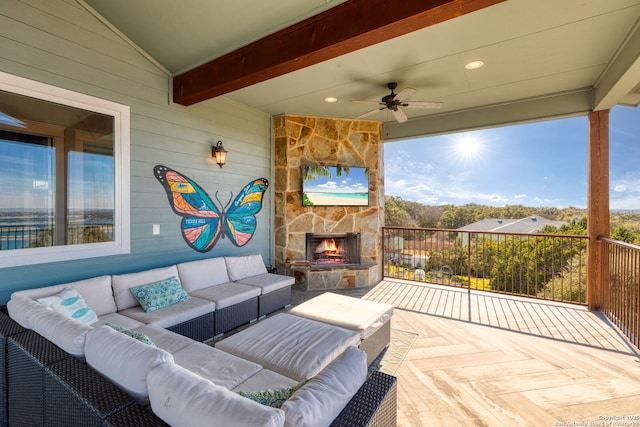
485 359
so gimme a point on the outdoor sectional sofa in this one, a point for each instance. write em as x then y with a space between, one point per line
58 371
220 300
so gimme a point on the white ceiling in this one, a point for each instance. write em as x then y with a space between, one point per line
542 58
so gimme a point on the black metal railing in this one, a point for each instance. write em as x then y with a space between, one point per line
36 235
543 266
621 286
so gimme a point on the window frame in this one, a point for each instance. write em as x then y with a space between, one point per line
121 243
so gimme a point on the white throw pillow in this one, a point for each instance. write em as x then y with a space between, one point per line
71 304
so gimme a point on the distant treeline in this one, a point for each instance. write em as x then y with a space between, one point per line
403 213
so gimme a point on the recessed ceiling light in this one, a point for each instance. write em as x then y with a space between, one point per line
474 65
331 99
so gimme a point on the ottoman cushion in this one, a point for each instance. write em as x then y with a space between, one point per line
295 347
355 314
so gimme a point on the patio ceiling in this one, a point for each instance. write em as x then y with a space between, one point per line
543 58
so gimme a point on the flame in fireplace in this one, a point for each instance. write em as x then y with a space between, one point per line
327 245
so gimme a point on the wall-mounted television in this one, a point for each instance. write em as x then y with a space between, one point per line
335 186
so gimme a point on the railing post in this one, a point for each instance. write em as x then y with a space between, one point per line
468 262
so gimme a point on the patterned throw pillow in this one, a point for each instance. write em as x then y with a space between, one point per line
273 398
157 295
143 338
71 304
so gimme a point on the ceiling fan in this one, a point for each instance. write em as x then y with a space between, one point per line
394 101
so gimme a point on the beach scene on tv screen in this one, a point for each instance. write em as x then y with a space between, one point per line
335 186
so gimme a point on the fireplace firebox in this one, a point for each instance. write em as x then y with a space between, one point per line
333 248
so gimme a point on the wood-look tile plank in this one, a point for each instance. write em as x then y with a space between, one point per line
484 359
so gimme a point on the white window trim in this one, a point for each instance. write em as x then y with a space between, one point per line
122 221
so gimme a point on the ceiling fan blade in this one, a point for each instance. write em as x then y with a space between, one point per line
367 114
400 116
367 102
423 104
404 94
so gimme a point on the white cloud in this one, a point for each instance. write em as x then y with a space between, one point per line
620 188
329 184
520 196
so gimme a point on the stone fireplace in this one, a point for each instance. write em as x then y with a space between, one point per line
300 230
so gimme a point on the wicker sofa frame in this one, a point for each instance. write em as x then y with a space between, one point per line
42 385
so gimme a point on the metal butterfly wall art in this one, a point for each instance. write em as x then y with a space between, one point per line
203 221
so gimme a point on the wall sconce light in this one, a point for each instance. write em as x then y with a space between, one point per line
219 153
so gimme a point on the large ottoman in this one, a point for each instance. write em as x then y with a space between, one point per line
292 346
369 318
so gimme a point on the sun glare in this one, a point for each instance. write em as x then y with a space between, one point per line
468 145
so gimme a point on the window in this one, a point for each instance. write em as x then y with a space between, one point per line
64 174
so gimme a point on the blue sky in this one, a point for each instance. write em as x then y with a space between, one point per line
355 182
535 164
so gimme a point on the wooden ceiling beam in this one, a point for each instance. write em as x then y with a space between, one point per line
352 25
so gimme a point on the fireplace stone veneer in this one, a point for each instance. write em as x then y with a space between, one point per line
298 141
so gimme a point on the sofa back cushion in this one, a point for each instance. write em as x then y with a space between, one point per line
67 334
182 398
96 292
239 267
122 282
321 400
196 275
124 360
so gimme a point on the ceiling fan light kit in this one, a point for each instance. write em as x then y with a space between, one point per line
394 101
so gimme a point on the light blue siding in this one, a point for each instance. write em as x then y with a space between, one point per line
59 42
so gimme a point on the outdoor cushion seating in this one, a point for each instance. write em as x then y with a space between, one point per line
304 346
123 360
215 305
184 399
172 314
369 318
125 344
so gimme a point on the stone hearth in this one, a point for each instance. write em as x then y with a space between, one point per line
332 142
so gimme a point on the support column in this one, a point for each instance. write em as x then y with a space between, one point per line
597 203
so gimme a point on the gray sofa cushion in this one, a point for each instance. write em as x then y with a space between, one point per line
239 267
95 291
60 330
321 400
290 345
196 275
268 282
124 360
184 399
165 339
173 314
227 294
221 368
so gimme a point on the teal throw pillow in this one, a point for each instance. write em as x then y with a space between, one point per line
143 338
273 398
69 303
157 295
